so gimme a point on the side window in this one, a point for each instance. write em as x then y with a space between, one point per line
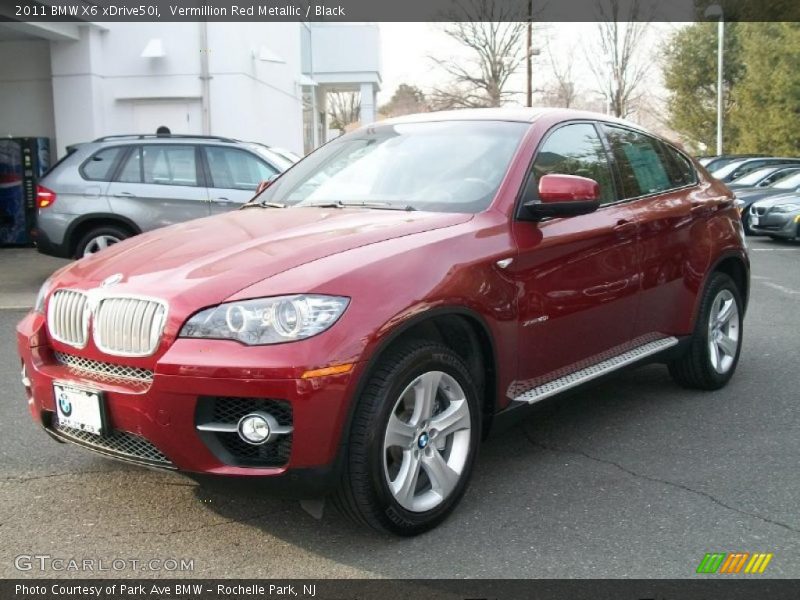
236 169
639 162
131 171
576 150
681 172
169 165
100 166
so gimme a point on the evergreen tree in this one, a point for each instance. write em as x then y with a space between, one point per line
767 99
690 76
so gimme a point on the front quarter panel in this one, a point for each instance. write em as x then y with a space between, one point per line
396 282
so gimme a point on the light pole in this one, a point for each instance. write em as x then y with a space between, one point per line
715 12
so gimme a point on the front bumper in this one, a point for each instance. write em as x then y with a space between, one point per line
154 422
783 225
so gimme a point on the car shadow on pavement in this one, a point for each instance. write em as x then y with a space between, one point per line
551 477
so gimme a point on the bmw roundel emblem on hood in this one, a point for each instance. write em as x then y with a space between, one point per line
111 280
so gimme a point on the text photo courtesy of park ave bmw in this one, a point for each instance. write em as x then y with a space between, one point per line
459 298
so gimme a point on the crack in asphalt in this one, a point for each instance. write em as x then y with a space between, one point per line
679 486
49 476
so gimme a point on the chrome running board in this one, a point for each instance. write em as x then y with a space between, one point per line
551 388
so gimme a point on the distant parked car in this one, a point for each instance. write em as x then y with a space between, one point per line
107 190
778 216
764 177
739 168
749 196
712 163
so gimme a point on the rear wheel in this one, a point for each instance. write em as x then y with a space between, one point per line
713 354
413 442
100 238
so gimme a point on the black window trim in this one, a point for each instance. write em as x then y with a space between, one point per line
209 180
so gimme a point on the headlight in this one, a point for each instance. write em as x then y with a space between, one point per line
785 208
42 296
267 320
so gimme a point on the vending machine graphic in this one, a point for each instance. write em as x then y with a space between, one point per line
22 162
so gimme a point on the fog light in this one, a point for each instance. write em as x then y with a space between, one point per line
254 428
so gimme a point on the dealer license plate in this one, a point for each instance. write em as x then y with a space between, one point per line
79 408
754 220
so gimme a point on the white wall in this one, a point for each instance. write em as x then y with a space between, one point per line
102 83
253 99
26 91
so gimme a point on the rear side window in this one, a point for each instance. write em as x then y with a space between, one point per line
639 161
680 170
131 171
100 165
576 150
169 165
236 169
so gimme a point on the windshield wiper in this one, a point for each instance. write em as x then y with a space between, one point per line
263 204
375 205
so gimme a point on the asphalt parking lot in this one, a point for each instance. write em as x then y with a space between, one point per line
634 478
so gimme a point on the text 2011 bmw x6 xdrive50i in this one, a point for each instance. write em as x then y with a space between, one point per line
361 323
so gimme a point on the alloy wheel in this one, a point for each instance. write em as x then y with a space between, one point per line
723 331
101 242
427 441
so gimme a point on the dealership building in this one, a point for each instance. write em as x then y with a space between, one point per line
264 82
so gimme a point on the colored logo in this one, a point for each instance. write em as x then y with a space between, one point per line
423 440
734 562
65 405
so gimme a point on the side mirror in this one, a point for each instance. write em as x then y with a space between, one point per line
564 196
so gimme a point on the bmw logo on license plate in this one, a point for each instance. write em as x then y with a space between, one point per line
64 404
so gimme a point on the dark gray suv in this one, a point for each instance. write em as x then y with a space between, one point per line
118 186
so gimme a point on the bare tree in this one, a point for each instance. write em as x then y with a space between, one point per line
563 91
344 108
616 58
495 44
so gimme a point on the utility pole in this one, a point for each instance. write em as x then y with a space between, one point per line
529 56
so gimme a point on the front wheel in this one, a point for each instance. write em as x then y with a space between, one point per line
713 353
413 441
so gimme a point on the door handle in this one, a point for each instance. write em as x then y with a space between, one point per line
124 195
625 228
222 201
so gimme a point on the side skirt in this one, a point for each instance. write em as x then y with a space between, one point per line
576 378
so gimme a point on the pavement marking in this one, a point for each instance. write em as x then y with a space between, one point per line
781 288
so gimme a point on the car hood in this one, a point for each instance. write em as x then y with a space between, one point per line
203 262
754 194
778 199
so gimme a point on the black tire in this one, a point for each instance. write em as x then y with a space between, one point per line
695 369
364 494
746 223
112 231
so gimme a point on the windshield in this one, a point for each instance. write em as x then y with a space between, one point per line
452 166
727 169
789 183
754 177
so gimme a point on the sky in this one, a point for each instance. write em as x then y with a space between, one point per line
406 48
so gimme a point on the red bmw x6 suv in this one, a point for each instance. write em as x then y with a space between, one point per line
364 321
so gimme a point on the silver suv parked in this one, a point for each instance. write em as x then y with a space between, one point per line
118 186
